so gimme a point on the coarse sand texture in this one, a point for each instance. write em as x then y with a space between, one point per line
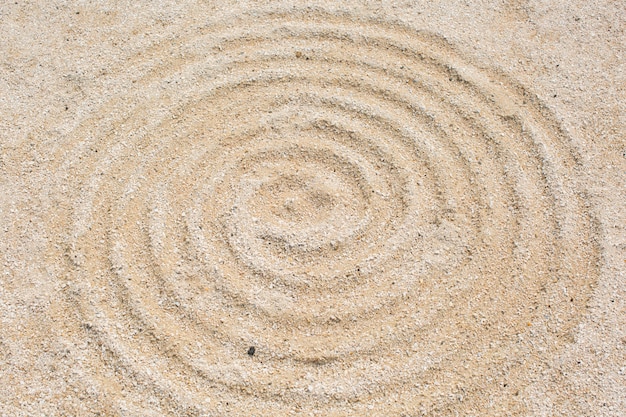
307 211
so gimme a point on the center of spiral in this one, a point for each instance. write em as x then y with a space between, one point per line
299 200
302 199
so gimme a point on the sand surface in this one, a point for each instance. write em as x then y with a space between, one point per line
312 208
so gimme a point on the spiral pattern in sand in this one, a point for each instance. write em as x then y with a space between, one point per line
350 197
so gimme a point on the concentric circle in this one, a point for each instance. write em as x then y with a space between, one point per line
388 225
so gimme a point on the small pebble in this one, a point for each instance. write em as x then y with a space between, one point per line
251 351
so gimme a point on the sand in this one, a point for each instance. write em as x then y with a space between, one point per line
310 208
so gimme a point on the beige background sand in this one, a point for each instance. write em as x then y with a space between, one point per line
76 77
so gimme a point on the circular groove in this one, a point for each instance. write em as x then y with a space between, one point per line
346 195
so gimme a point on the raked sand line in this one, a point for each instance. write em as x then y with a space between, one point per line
392 228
